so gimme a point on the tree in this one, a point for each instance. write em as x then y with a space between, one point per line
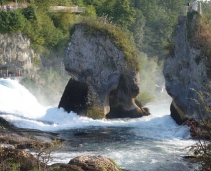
137 28
90 11
11 22
78 2
30 13
124 14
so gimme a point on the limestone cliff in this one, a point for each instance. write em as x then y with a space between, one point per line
183 72
100 78
16 49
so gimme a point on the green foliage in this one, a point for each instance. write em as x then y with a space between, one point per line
90 12
11 22
124 14
202 149
43 152
119 38
78 2
30 13
137 28
62 20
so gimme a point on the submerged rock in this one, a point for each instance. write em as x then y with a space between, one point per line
101 82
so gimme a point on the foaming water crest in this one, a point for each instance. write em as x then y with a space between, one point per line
154 142
20 107
17 100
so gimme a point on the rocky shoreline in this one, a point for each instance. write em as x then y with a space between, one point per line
17 143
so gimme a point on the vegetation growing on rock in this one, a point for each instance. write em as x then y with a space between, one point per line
120 39
199 35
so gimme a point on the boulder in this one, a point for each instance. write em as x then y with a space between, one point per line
94 163
101 81
26 160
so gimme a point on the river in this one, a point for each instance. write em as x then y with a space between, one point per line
150 143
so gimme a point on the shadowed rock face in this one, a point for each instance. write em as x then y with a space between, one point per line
100 77
74 97
183 73
122 100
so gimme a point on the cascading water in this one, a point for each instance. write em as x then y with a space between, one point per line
152 143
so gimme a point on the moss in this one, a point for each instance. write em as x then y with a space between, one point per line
115 164
121 39
95 113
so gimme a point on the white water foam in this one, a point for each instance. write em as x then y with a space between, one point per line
16 99
163 144
20 107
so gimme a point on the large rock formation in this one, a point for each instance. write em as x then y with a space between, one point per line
16 49
100 79
184 73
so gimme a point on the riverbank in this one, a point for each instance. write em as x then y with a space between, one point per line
17 144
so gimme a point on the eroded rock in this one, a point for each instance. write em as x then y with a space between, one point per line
100 79
184 75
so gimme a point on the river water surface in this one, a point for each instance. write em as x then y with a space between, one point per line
151 143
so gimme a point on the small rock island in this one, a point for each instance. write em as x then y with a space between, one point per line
103 81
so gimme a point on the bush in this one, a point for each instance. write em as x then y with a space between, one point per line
30 13
202 130
11 22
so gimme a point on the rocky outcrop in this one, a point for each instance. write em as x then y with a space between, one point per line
16 49
94 163
184 73
100 79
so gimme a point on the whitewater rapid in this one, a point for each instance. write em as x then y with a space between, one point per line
150 137
21 108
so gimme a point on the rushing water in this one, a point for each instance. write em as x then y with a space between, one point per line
151 143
